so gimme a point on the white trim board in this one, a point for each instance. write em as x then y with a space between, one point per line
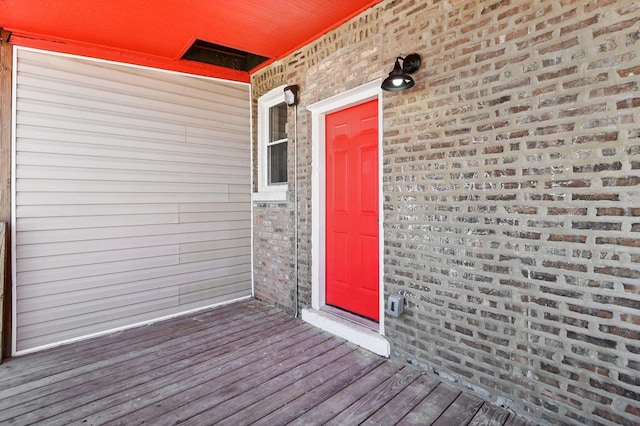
265 191
14 296
355 333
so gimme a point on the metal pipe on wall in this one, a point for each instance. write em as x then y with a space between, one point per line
295 205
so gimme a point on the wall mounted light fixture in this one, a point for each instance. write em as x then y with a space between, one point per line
291 95
399 79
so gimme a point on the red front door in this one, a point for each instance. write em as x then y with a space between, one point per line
352 276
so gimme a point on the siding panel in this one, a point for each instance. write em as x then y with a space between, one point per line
132 196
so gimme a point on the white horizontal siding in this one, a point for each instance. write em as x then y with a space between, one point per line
156 276
132 196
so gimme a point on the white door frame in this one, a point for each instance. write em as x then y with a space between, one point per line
362 336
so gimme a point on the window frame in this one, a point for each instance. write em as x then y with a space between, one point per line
266 191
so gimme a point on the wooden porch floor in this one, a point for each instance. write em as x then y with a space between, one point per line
244 363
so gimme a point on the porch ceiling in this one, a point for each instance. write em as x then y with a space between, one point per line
159 33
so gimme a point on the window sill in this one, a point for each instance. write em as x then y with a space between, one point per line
269 196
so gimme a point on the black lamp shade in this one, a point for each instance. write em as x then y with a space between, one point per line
399 78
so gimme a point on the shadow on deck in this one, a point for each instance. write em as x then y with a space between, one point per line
244 363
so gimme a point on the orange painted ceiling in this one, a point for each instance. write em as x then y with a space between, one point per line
158 32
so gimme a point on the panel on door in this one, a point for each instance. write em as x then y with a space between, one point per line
352 240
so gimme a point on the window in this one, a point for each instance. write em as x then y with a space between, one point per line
272 145
277 144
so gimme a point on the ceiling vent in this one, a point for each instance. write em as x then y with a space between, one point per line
223 56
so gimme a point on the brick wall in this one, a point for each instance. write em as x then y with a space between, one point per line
273 254
511 192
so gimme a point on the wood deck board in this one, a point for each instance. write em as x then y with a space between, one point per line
203 399
126 366
430 408
364 407
72 356
148 399
489 415
514 420
237 373
84 348
244 363
85 392
274 398
461 411
341 400
244 408
294 409
403 403
69 404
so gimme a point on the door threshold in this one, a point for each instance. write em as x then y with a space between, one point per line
351 331
365 322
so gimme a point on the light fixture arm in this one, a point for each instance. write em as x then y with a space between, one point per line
411 63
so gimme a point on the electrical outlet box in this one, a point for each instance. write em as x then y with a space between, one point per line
395 306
